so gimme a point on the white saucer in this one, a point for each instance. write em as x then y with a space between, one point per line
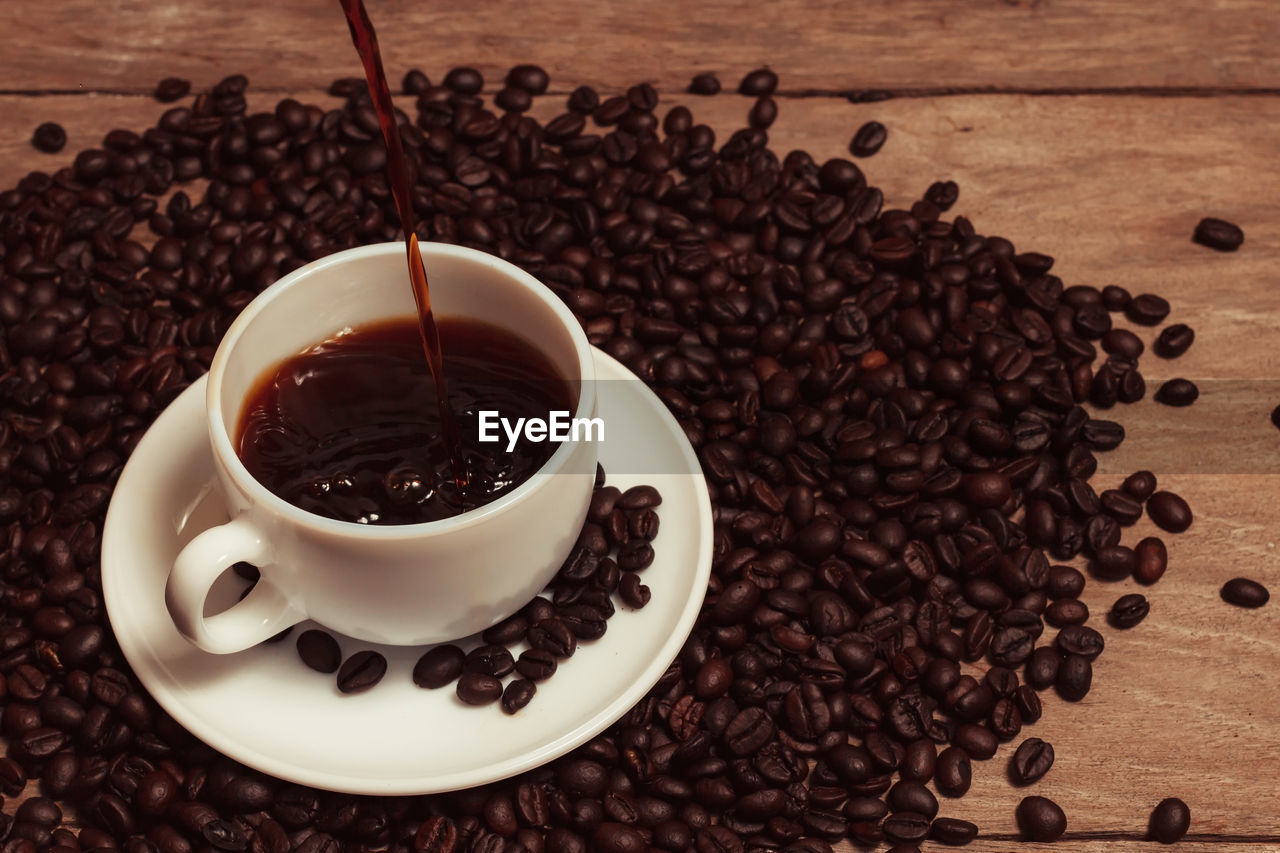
264 708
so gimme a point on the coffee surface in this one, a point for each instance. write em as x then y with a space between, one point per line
350 428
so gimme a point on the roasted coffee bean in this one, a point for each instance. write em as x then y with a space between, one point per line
439 666
1064 582
868 140
1151 558
1075 677
171 89
361 671
1147 309
1275 417
1218 234
977 741
1169 822
49 138
1114 562
319 650
1128 610
1243 592
704 84
1177 392
531 78
953 773
475 688
1042 667
1040 819
953 831
517 695
906 827
1031 761
489 659
1080 640
1173 340
1169 512
535 664
762 81
908 796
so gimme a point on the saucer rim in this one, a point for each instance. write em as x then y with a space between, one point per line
164 685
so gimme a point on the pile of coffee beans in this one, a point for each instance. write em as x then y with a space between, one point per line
613 548
886 402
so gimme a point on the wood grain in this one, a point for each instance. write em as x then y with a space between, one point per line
1110 185
815 45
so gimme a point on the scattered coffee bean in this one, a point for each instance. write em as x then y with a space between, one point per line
868 140
476 688
1040 819
1140 484
953 831
49 138
517 694
1147 309
762 81
704 84
1170 820
439 666
1169 511
1128 610
1177 392
953 773
1173 340
361 671
1243 592
171 89
1031 761
1150 559
319 650
1218 234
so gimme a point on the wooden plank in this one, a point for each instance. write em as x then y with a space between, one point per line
1183 705
814 44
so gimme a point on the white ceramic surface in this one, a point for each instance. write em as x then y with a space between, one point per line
408 584
264 708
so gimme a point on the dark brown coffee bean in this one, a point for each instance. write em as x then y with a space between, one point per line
439 666
1031 761
1128 610
1147 310
536 664
1169 512
1151 558
1177 392
1218 234
1075 677
490 659
953 773
1169 822
762 81
704 84
531 78
1173 340
868 140
319 650
953 831
464 81
475 688
1243 592
977 741
361 671
517 695
49 138
906 827
171 89
1140 484
1040 819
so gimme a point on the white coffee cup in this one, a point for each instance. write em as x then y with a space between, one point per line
406 584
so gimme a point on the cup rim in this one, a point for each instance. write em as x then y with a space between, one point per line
260 496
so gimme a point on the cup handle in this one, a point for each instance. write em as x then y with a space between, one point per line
263 613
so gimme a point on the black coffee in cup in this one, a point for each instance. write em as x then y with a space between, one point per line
350 428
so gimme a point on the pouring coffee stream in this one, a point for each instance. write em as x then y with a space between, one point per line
365 40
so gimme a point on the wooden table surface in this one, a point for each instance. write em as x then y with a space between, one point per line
1098 132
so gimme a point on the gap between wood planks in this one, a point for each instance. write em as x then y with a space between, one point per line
854 95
